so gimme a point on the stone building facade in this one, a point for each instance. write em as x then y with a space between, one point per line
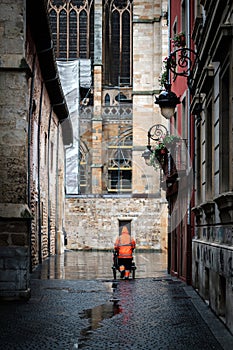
34 127
95 223
125 41
213 242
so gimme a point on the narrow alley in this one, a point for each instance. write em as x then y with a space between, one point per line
76 304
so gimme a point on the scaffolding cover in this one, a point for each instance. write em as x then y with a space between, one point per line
73 75
85 73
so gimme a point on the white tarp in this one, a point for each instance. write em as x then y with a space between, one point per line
73 75
85 73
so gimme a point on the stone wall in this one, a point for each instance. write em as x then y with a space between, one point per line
150 44
93 223
46 169
31 150
213 242
212 277
14 212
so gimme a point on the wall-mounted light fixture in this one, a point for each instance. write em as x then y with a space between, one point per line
180 64
156 133
167 102
146 155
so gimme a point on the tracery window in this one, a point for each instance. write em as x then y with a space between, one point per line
83 171
72 24
120 166
83 177
107 100
118 42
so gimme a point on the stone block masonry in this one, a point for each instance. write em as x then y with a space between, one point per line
13 279
32 138
93 223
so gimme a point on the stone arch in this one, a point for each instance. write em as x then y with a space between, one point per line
107 99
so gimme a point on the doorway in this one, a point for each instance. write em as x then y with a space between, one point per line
125 222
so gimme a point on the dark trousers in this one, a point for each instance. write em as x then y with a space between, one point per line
126 262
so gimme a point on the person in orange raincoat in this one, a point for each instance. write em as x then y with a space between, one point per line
124 246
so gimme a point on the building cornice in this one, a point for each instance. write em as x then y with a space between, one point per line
147 20
146 92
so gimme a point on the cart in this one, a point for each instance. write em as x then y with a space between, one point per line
116 267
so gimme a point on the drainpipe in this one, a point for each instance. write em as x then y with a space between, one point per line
29 129
48 176
169 245
189 97
31 107
190 190
57 196
38 170
169 41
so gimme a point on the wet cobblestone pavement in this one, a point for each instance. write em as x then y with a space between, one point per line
157 312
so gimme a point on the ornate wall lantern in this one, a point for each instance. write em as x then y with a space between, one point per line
167 102
180 64
156 133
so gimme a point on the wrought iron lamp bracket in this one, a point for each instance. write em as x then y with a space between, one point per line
156 133
181 62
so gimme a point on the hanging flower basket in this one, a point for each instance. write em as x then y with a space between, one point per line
163 151
179 40
159 156
172 61
170 140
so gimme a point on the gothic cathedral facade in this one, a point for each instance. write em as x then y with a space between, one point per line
116 49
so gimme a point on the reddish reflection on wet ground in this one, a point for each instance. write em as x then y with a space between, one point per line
89 265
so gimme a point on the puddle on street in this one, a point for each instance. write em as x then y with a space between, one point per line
95 317
117 304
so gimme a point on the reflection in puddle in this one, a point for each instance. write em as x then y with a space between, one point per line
96 316
120 303
76 265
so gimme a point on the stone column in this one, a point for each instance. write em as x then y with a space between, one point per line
97 113
60 222
149 44
147 61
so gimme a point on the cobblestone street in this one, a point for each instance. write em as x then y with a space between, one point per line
75 304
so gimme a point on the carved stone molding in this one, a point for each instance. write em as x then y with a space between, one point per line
198 214
225 206
209 210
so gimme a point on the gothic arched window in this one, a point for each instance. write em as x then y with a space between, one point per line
118 42
107 100
120 165
72 24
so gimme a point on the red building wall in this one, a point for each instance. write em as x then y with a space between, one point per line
181 19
